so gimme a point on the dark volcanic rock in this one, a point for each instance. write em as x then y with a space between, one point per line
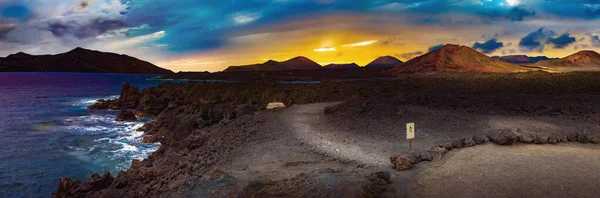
68 188
504 137
526 138
540 140
553 140
457 144
468 142
479 139
102 104
402 162
126 115
129 99
379 184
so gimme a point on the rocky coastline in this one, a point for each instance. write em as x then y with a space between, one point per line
199 125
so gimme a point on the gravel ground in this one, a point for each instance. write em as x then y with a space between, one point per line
302 140
565 170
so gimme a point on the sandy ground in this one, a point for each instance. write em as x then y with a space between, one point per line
302 139
566 170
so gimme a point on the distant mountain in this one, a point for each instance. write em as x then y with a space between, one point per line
334 66
456 58
79 60
522 59
296 63
385 61
584 58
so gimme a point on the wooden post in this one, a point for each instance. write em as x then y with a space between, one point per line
409 144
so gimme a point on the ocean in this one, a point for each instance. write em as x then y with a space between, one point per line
46 132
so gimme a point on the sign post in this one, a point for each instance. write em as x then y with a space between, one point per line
410 134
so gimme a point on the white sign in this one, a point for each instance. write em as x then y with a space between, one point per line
410 131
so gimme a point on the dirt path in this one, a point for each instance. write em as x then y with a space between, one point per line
302 139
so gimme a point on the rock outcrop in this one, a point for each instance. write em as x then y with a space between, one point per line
585 58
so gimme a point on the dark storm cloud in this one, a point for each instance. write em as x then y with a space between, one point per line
409 55
489 46
96 27
562 41
436 47
535 41
5 29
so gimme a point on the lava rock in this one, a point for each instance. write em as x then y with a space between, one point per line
468 142
595 140
425 156
437 152
382 177
572 137
479 139
102 104
126 115
129 98
553 140
457 144
526 138
583 138
401 162
540 140
503 138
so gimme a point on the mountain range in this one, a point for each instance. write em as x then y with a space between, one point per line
456 58
79 60
297 63
522 59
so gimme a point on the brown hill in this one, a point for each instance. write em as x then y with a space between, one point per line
385 61
79 60
456 58
335 66
583 58
296 63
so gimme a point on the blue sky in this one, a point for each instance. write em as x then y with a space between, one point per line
210 35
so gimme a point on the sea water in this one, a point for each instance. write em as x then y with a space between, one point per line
46 132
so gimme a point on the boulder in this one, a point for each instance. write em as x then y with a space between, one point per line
126 115
540 140
526 138
401 162
595 140
553 140
584 138
102 104
457 143
505 137
275 105
479 139
468 142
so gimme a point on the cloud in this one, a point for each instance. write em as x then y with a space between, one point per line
535 41
409 55
562 41
325 49
517 14
360 44
436 47
5 29
92 21
581 46
595 40
489 46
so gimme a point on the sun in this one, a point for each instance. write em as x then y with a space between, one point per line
513 3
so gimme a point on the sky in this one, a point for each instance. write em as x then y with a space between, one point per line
209 35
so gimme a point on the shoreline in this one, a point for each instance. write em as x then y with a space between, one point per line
209 132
